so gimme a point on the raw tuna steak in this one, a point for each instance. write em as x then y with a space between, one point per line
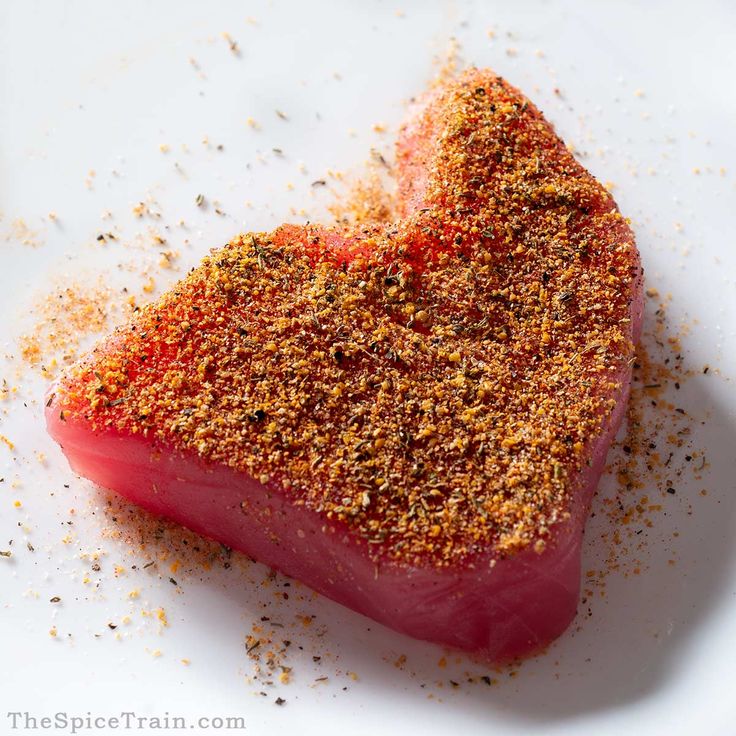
410 419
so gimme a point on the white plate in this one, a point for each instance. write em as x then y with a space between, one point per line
645 93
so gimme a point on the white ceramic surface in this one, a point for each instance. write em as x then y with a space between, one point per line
645 93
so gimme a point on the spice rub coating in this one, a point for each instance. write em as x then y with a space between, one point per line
435 386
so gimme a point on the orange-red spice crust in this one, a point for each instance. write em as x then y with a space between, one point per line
433 384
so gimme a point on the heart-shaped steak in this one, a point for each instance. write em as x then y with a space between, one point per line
411 419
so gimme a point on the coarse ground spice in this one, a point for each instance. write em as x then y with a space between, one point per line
368 203
624 549
434 384
64 317
278 637
656 456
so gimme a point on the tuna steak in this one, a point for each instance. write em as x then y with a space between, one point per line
411 419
